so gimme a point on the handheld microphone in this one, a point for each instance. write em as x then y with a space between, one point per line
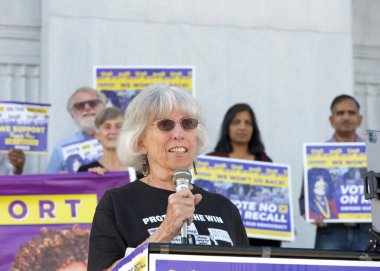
182 178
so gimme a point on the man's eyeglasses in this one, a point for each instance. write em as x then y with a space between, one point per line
167 125
91 103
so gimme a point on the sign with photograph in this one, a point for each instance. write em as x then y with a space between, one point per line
334 178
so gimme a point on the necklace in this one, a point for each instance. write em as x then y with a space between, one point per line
326 213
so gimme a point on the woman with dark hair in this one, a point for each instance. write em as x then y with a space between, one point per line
240 135
240 138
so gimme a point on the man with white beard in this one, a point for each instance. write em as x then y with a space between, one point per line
83 105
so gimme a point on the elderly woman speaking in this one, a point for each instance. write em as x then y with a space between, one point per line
162 132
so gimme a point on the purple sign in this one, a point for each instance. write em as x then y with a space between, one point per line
138 260
260 190
24 126
167 265
334 178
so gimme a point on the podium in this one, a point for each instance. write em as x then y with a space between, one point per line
174 257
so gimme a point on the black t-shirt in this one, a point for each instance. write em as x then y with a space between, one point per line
126 216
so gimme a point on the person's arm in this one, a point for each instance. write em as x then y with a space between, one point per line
55 162
181 207
17 159
98 170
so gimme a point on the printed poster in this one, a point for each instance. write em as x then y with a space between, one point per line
122 83
334 177
45 220
81 153
260 190
24 126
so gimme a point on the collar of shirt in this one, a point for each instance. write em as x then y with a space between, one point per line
357 139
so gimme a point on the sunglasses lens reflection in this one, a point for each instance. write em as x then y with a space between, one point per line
82 105
189 123
167 125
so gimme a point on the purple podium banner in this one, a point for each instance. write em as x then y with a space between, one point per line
45 220
142 258
200 263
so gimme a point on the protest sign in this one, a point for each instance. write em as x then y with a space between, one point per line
24 126
122 83
260 190
81 153
334 177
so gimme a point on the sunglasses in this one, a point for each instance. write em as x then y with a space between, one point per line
167 125
91 103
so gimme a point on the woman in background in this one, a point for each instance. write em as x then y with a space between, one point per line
240 138
108 124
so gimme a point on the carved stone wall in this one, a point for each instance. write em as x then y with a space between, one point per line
20 59
366 44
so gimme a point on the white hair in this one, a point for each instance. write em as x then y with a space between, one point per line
153 103
71 101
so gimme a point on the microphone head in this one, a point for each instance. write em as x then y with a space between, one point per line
182 173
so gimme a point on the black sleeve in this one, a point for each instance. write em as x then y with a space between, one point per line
240 233
106 242
85 168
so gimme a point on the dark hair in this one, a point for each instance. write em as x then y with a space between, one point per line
312 174
343 97
108 113
255 145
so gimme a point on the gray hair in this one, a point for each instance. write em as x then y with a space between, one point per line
108 113
153 103
100 95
